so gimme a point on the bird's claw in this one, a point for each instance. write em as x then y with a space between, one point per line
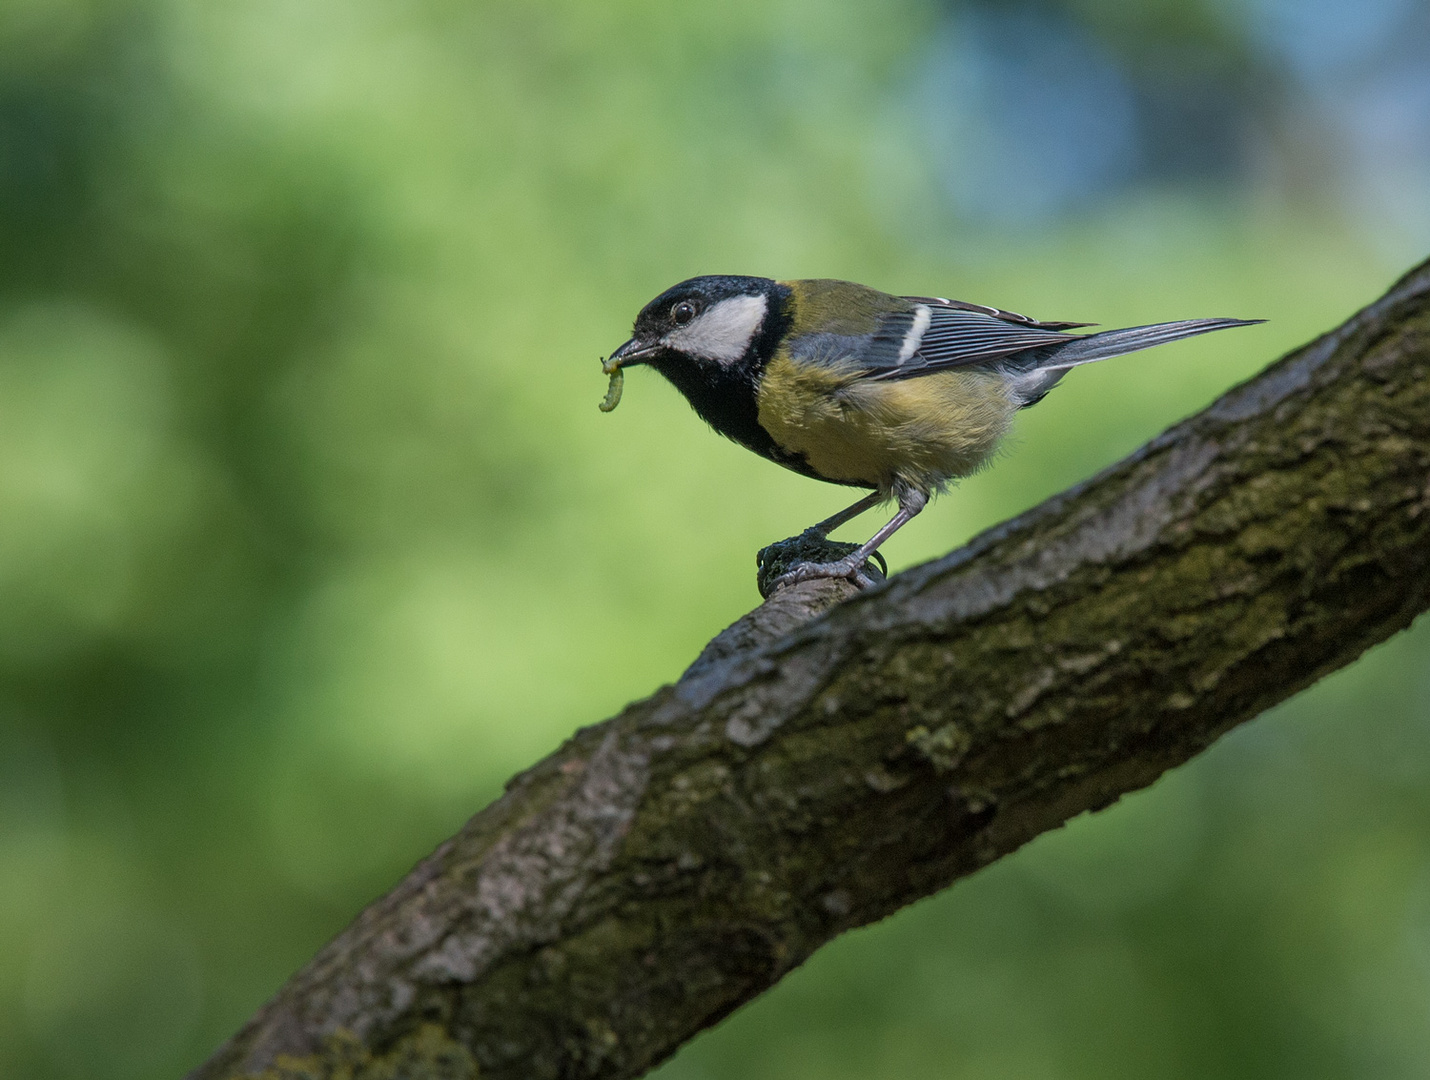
810 556
843 569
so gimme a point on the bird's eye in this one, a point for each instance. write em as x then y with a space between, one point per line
683 312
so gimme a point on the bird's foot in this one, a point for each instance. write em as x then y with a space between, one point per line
845 568
809 556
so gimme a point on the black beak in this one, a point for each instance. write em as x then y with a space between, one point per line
628 355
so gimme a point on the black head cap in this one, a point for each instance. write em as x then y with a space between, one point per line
682 304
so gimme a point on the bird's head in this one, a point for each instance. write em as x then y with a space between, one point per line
715 321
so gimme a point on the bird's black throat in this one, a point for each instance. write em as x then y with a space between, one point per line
723 396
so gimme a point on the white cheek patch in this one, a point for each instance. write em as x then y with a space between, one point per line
724 332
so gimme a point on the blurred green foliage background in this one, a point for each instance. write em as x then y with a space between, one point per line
311 533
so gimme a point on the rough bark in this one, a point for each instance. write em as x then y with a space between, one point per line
812 774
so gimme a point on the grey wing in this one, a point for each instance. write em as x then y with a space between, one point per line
940 334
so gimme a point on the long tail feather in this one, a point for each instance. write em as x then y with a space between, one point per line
1092 347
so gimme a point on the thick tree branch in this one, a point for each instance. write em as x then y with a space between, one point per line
805 777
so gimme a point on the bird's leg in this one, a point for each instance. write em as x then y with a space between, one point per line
849 513
911 501
814 546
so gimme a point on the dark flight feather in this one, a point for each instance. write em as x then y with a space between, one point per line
955 337
963 335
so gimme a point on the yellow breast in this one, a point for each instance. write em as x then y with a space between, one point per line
921 431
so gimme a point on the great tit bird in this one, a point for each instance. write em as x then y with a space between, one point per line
843 383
